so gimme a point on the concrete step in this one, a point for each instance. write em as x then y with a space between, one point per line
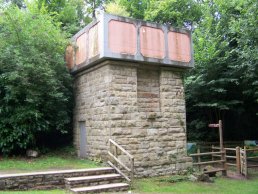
114 187
92 180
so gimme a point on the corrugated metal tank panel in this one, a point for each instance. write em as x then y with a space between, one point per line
119 38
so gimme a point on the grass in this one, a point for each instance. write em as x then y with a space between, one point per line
221 186
56 160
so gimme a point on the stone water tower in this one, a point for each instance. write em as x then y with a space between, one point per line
128 87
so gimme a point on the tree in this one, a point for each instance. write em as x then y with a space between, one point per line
174 12
223 83
113 7
35 87
135 8
71 13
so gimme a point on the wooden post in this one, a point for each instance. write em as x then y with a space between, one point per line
245 162
223 155
115 152
132 170
220 134
212 157
199 157
238 163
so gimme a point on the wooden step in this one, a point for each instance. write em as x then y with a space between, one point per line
101 188
92 180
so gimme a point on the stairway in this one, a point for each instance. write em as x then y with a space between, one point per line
97 180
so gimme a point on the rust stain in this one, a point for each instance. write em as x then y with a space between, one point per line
93 41
179 47
152 42
81 54
69 57
122 37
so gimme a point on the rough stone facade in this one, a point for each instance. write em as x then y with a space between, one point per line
142 107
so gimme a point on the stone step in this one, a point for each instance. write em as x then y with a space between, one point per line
92 180
101 188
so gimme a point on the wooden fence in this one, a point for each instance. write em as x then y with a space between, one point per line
234 157
221 161
246 160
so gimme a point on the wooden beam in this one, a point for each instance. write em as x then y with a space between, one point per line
206 153
209 162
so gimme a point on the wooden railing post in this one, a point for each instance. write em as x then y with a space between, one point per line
245 161
212 156
224 163
199 157
238 162
132 168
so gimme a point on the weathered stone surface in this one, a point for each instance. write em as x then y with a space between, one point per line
141 107
45 180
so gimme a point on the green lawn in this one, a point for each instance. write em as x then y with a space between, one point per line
220 186
51 161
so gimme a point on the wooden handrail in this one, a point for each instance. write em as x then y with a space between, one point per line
207 153
216 148
121 163
209 162
122 149
130 169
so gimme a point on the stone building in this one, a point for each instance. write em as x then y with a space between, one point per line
128 87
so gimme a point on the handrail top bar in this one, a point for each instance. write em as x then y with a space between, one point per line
121 148
207 153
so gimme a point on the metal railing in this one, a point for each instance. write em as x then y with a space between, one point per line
113 153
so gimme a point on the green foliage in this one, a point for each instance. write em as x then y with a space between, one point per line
114 7
135 8
175 12
223 84
71 13
35 87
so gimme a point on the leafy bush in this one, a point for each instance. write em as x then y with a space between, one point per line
35 90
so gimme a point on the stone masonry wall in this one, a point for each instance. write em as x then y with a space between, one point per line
40 180
91 105
142 107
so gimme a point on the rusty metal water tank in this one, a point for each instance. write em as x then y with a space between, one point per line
119 38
